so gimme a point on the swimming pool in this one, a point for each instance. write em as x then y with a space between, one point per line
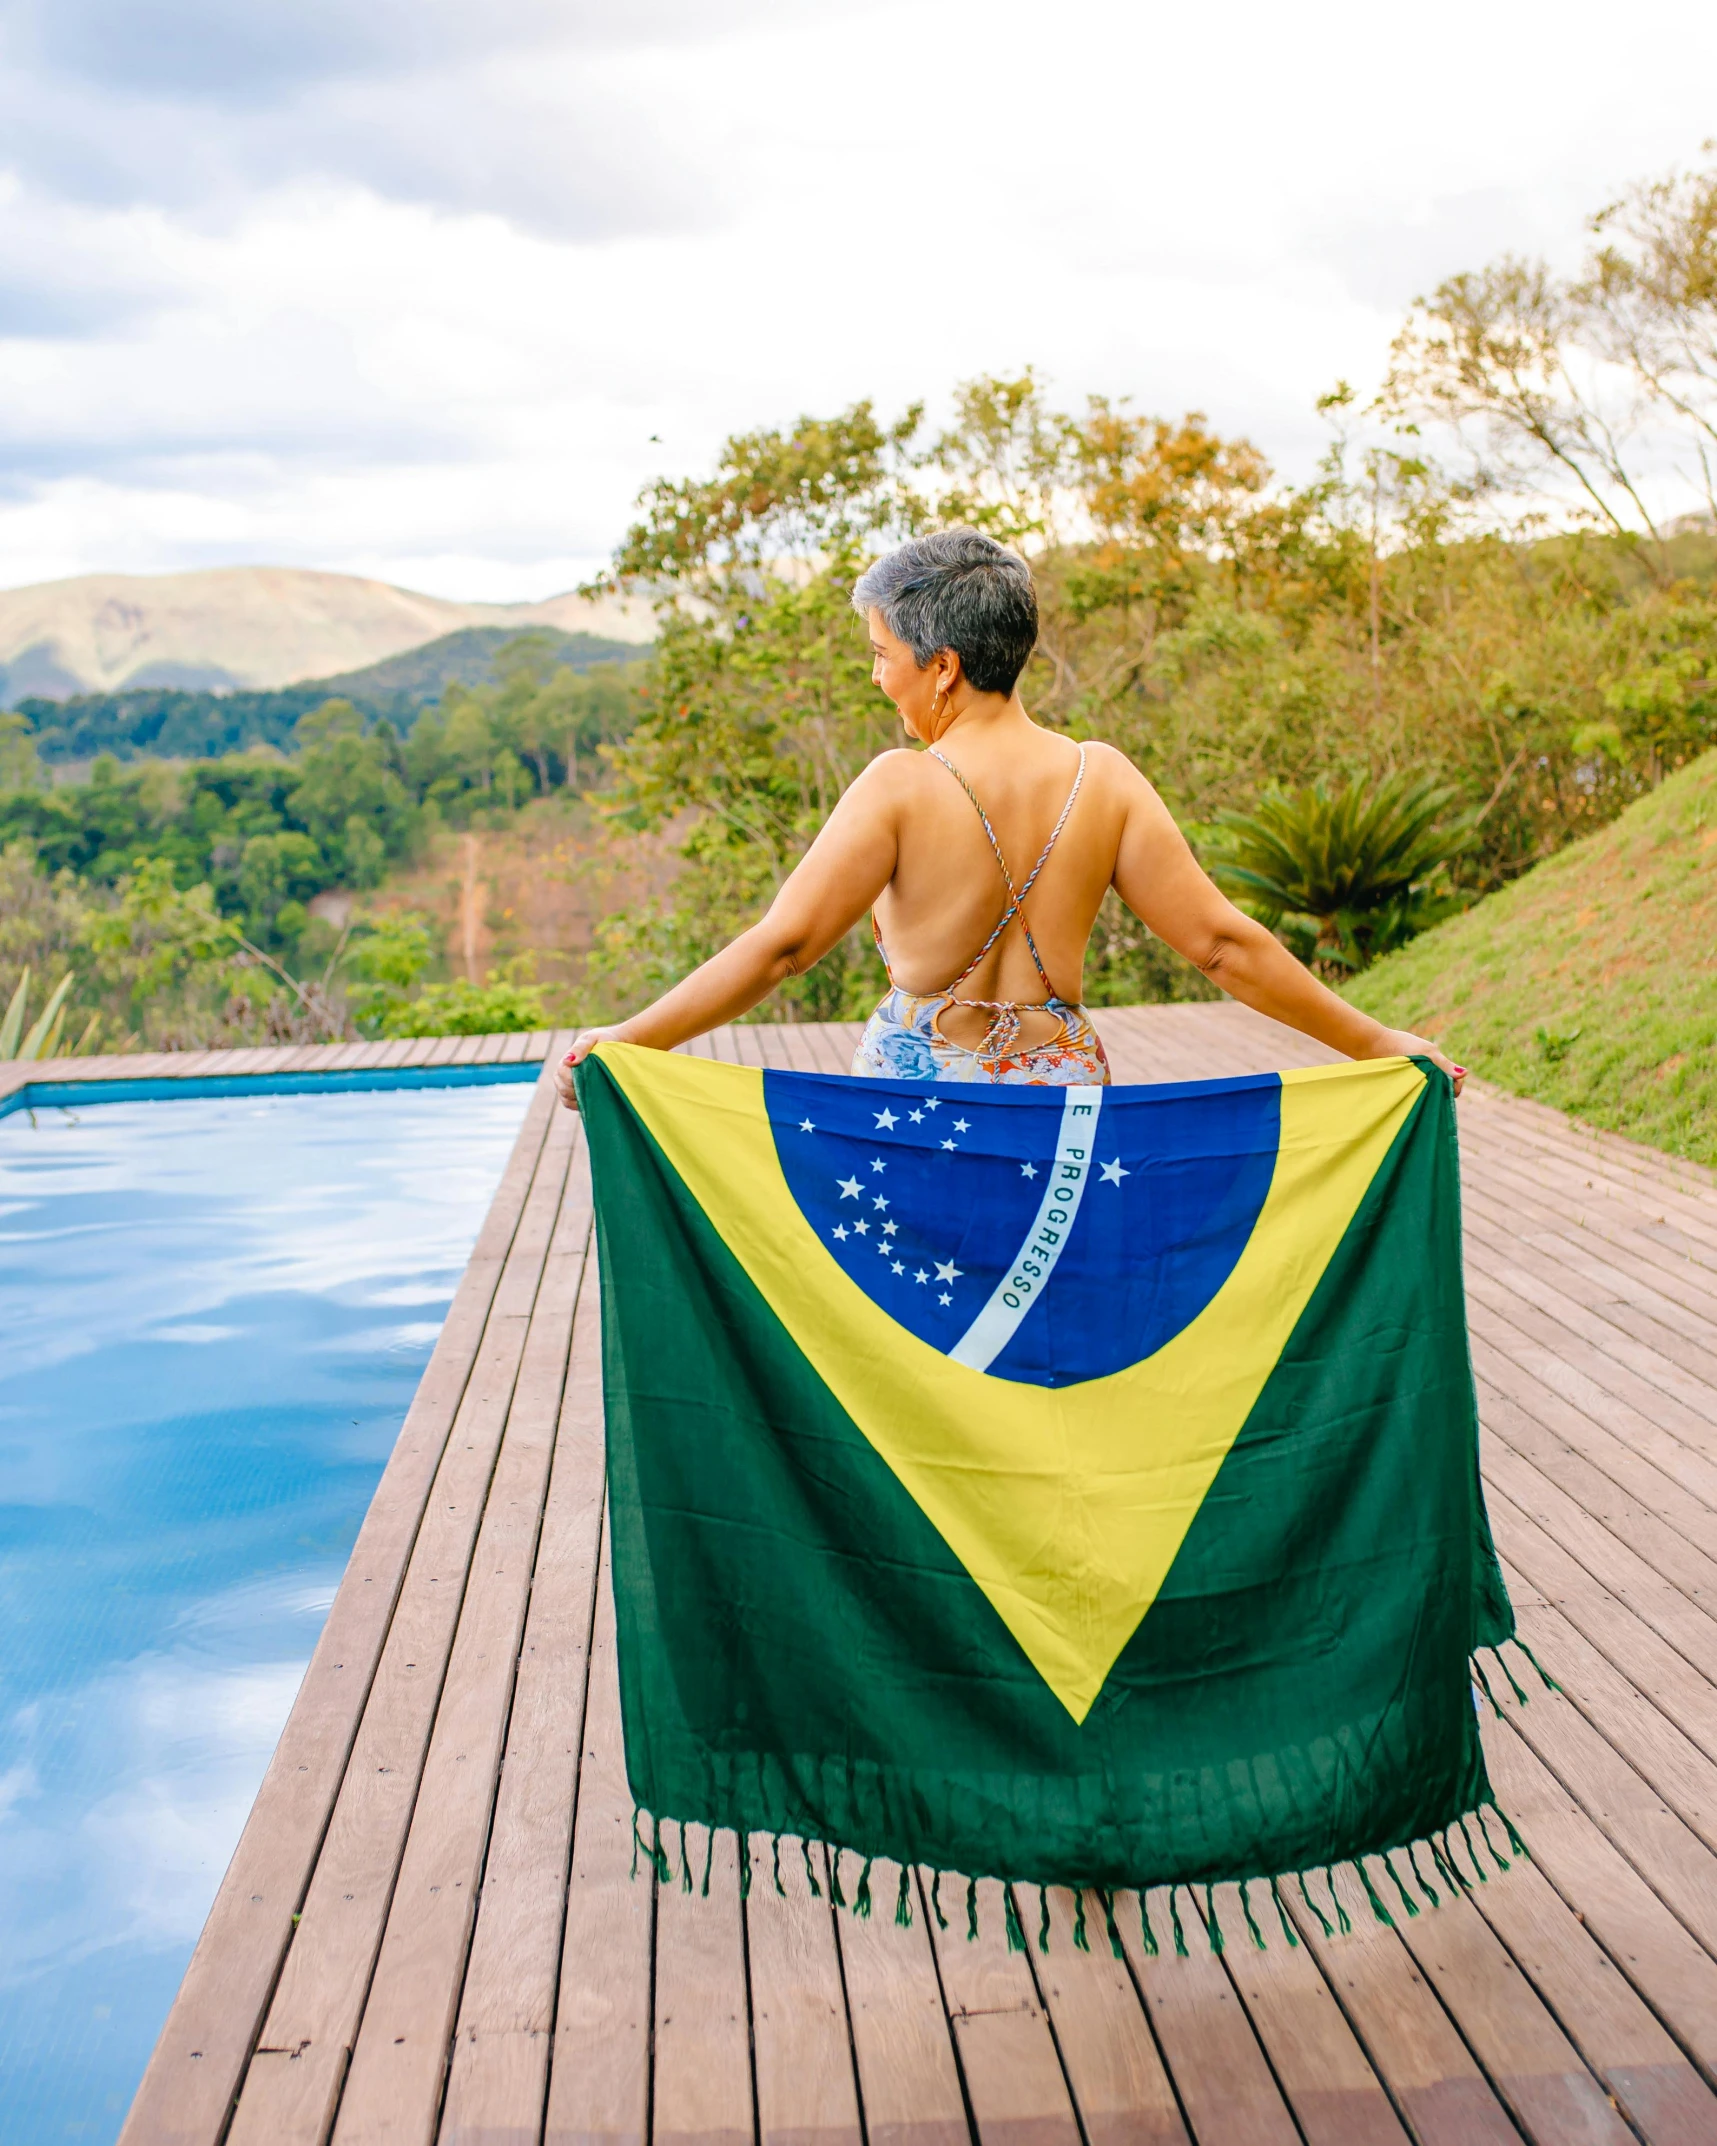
213 1314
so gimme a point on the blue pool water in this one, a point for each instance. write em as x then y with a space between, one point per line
213 1315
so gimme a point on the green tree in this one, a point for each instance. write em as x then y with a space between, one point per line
1362 865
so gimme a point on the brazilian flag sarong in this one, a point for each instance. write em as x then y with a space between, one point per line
1074 1485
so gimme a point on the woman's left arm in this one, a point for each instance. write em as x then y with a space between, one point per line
830 888
1163 883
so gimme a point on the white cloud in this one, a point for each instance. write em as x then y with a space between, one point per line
407 290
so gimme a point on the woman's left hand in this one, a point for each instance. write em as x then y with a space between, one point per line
1402 1043
584 1043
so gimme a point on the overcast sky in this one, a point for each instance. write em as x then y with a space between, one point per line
405 287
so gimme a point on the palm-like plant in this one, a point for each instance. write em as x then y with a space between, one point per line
45 1038
1362 866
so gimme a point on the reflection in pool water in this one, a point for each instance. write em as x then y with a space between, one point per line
213 1315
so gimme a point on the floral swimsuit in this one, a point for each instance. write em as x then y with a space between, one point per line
901 1040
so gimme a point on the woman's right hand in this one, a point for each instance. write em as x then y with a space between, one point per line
583 1044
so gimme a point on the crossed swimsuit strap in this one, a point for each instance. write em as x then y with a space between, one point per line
1003 1031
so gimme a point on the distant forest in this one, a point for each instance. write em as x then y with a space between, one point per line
173 723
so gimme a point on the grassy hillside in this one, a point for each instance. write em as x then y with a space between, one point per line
1591 983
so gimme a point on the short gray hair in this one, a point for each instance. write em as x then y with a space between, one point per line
961 590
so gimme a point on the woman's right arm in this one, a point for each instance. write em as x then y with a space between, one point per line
1164 885
823 897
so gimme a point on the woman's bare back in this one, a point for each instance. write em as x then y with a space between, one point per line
947 892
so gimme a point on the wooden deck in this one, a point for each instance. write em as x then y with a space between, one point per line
429 1930
286 1058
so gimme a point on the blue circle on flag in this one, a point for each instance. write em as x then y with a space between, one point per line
1047 1235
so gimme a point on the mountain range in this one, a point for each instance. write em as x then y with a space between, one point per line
225 628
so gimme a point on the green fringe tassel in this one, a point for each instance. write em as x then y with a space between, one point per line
1251 1919
1323 1921
1451 1877
1115 1945
1484 1834
936 1900
836 1896
685 1858
636 1842
1343 1921
810 1873
1079 1937
903 1899
861 1899
775 1859
1550 1683
1043 1918
1379 1912
1010 1915
659 1855
1425 1885
1407 1900
1147 1936
1513 1684
1288 1930
971 1911
1514 1840
1212 1926
1179 1934
744 1864
1484 1875
1483 1684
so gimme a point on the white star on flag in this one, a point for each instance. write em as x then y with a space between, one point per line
841 1231
960 1126
805 1126
921 1276
877 1163
849 1187
898 1268
1028 1169
886 1120
949 1145
929 1103
889 1228
861 1229
917 1116
1113 1171
944 1298
946 1271
879 1201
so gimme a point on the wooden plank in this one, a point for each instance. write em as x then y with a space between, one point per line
901 2040
806 2084
394 2083
1513 1366
1120 2087
1538 2072
1213 2055
1636 1627
1008 2056
599 2087
1322 2071
1656 1743
1597 1468
194 2074
1431 2075
703 2055
1674 1975
1646 1371
1627 1809
1651 1299
291 2087
1630 2058
499 2074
